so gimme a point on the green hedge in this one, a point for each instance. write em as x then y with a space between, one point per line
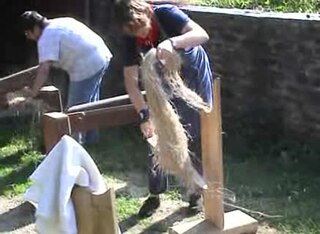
272 5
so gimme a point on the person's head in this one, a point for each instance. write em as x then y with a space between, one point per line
133 16
32 24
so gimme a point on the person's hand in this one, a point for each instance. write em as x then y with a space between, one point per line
147 129
164 51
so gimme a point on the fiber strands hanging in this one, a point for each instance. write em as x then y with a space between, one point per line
171 148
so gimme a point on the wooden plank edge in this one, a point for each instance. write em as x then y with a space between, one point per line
103 103
17 80
236 222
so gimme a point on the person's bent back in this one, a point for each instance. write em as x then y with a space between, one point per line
74 47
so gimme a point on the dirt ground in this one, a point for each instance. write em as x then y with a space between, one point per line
16 217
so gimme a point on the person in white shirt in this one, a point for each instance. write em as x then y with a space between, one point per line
72 46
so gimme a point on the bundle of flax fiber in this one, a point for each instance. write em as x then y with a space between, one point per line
171 147
16 100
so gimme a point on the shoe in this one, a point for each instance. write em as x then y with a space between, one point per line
195 204
149 207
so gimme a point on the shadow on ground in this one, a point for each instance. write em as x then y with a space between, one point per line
17 217
159 226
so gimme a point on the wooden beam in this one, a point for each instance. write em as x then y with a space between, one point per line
55 125
18 80
212 160
109 102
106 117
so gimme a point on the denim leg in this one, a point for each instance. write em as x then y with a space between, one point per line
93 136
96 91
86 91
158 179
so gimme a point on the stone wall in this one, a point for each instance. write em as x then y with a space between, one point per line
269 65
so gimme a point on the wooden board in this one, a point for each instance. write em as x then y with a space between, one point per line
105 213
236 222
212 160
18 80
104 103
95 213
55 125
81 198
106 117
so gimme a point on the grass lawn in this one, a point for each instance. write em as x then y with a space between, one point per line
273 177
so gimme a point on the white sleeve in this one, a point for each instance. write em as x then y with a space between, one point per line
49 46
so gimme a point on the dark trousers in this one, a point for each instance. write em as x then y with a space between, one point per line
158 179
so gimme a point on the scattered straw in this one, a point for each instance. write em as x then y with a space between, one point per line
229 199
16 100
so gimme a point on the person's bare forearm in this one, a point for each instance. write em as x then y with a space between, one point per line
192 35
132 87
131 74
41 77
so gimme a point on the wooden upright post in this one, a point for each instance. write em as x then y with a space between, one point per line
216 221
55 125
212 160
52 98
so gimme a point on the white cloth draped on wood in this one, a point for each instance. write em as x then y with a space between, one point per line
67 164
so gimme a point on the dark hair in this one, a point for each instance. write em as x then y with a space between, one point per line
29 19
126 11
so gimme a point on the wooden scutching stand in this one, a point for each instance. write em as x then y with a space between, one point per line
216 221
118 111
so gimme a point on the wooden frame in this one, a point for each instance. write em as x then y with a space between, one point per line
57 124
215 221
86 117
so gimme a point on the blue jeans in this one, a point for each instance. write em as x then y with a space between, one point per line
85 91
